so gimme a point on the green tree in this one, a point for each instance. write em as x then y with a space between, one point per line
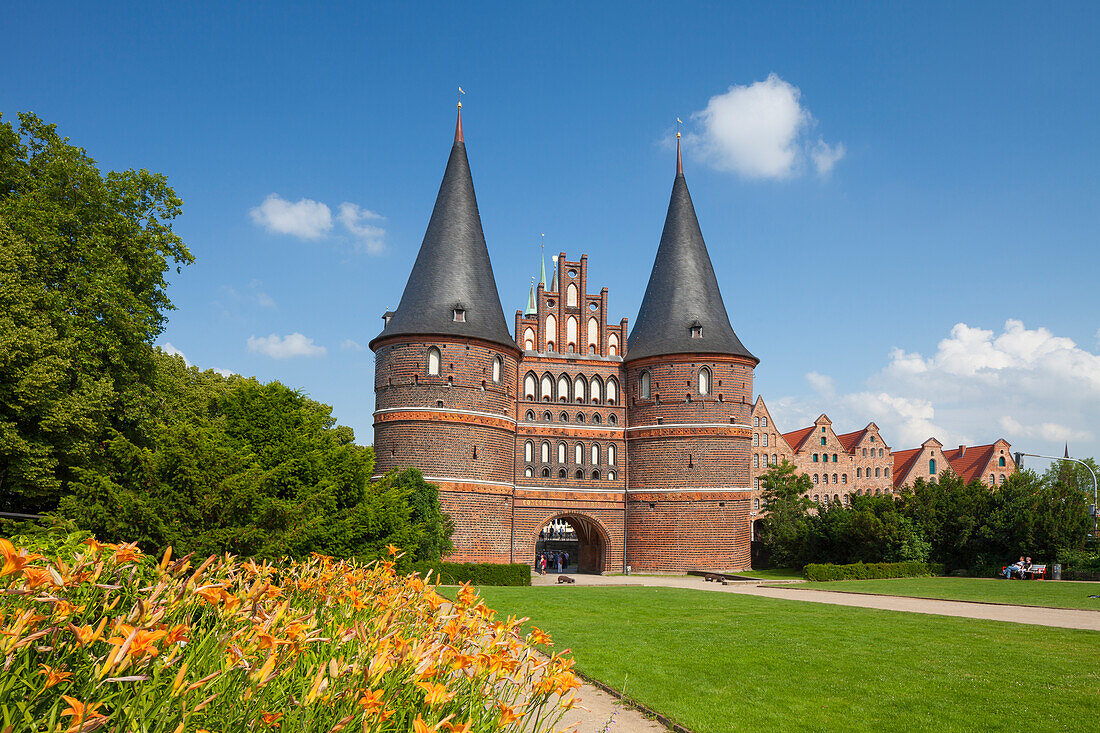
83 258
785 527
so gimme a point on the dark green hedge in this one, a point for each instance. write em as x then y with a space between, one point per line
485 573
870 571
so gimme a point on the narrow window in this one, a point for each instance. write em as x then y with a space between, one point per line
610 475
528 451
596 475
612 419
859 473
816 479
528 472
597 390
843 478
578 453
815 458
755 460
824 478
580 417
579 389
563 417
765 460
529 339
546 473
643 385
756 422
880 452
704 381
562 450
561 473
596 418
613 345
612 391
764 440
593 335
563 388
545 452
530 415
823 438
547 388
834 456
834 478
611 455
697 330
756 502
931 466
763 420
1002 461
496 369
434 362
529 385
756 439
877 475
578 474
571 295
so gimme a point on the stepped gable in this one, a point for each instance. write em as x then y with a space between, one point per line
453 268
683 291
969 461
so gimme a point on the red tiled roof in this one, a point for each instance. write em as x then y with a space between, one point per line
798 437
903 463
851 440
970 465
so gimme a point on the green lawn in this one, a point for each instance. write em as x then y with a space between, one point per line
726 662
991 590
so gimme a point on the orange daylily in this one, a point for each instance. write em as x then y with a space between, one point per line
125 553
371 700
538 636
437 694
14 560
80 713
271 720
507 715
53 677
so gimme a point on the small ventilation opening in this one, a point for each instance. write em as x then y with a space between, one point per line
458 315
439 403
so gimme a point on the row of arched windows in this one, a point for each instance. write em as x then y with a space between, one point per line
866 472
547 416
760 422
592 337
703 383
881 452
564 389
435 365
578 454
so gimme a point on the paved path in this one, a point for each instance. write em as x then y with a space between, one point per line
1059 617
597 708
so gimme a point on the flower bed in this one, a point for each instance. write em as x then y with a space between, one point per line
104 637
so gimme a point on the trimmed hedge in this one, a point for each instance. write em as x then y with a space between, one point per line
871 571
484 573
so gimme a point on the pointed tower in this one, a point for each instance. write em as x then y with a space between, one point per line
445 371
689 382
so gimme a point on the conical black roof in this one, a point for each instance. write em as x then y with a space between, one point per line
682 293
452 269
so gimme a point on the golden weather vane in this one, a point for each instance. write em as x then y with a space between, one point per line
461 91
678 123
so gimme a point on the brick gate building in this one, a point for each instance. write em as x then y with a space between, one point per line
640 440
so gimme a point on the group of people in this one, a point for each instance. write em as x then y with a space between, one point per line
557 561
1018 568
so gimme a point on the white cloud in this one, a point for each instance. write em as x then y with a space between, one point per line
369 237
760 131
349 345
171 350
262 299
1027 385
285 347
305 219
223 372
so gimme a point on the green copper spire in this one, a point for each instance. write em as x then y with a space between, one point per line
531 309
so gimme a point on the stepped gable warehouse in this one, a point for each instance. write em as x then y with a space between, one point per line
639 440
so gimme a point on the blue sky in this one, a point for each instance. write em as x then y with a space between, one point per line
962 187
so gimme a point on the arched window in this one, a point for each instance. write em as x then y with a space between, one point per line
931 466
563 417
547 417
571 332
597 390
816 480
611 455
579 389
877 475
612 391
528 472
545 452
530 416
596 418
578 453
578 474
571 295
765 460
546 473
834 478
763 422
886 472
529 339
562 450
764 440
775 459
817 498
613 345
434 362
612 419
824 478
843 478
580 417
859 473
643 385
756 439
610 475
880 452
528 451
593 334
551 332
596 475
704 381
497 367
563 388
530 383
992 480
1001 462
561 473
755 460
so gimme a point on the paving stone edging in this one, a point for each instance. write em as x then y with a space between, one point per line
631 702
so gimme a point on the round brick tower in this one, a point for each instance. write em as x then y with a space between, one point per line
689 392
445 373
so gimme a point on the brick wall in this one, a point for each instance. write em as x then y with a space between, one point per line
688 531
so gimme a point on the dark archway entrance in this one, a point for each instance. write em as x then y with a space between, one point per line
577 539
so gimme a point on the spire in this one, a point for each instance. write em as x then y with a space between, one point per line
554 284
451 289
1067 449
531 309
542 265
679 158
682 311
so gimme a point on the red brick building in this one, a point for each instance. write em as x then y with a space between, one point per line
991 464
639 440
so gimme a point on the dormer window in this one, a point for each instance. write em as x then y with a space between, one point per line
458 313
387 317
696 330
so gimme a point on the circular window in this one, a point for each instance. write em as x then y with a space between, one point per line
572 273
594 306
550 303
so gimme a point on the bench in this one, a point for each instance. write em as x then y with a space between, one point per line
1035 572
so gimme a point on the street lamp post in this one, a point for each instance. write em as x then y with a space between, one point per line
1092 475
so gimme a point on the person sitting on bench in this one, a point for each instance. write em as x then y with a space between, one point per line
1017 567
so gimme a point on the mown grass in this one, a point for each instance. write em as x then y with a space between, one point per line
1055 594
726 662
